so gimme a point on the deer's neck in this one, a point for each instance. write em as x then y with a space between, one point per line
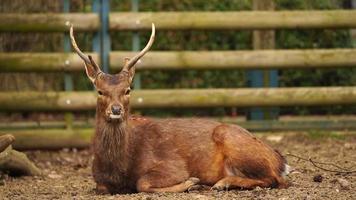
112 142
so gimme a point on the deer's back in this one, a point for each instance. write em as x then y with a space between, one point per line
179 133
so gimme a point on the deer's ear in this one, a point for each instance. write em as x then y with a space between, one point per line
91 72
92 69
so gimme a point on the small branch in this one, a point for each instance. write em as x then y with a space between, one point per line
314 163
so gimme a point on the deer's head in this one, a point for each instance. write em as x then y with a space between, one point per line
113 89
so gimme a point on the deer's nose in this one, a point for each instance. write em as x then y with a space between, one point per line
116 110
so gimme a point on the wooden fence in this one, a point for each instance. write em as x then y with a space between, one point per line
177 60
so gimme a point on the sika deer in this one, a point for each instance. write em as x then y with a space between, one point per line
171 155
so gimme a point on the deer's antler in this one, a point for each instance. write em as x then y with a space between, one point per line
133 60
87 59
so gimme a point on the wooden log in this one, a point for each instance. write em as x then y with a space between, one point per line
51 138
17 163
244 97
5 141
45 124
259 59
337 122
54 22
37 139
295 125
32 101
42 62
305 96
14 161
178 60
233 20
48 22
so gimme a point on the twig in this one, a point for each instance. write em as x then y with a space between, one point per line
314 163
323 163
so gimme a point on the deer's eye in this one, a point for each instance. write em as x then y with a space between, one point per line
128 91
100 92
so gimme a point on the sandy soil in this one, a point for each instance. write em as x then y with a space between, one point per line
68 176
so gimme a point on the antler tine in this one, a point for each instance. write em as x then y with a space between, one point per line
133 60
76 48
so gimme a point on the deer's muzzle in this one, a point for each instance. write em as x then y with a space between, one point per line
115 113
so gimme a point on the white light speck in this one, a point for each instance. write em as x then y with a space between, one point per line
67 23
68 101
140 100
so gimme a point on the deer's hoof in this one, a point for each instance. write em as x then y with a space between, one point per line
193 180
101 190
220 187
191 183
195 188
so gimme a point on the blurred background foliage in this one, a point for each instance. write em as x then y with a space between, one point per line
194 40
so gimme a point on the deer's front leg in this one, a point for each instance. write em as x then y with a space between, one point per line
144 185
164 175
100 177
168 177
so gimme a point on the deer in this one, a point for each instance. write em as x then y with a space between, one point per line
142 154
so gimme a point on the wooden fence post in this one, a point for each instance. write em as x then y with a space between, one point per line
101 42
263 39
136 43
68 81
353 31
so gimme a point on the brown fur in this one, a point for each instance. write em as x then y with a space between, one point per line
135 154
148 154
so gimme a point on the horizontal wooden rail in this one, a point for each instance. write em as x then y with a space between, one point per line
17 125
51 138
301 125
175 60
306 96
233 20
80 137
289 123
58 22
48 22
262 59
41 62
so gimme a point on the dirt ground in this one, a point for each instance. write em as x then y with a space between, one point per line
68 174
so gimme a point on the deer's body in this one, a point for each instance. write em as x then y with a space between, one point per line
145 155
161 153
